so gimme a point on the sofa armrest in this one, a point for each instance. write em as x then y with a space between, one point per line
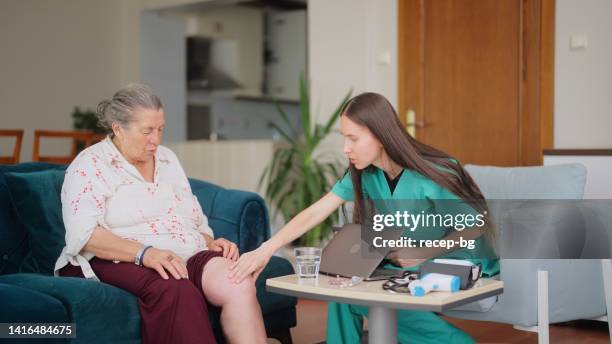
244 214
239 216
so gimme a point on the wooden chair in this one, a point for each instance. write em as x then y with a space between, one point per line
86 137
18 135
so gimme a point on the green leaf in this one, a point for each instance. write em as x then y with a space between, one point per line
333 170
274 164
305 109
283 201
317 136
281 172
263 176
285 118
295 178
282 132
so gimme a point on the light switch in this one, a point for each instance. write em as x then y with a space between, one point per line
578 42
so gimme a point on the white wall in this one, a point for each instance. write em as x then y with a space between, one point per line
583 78
55 55
345 39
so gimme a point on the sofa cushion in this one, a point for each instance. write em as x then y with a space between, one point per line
541 182
36 197
102 313
32 306
13 237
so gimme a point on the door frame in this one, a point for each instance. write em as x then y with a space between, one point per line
536 88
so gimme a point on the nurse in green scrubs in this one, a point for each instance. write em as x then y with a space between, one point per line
345 322
386 163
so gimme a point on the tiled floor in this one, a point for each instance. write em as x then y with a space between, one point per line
312 316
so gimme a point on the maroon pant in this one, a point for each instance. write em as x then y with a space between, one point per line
172 311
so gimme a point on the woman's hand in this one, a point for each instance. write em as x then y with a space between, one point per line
405 258
165 260
229 249
250 263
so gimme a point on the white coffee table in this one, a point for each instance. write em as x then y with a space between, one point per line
383 305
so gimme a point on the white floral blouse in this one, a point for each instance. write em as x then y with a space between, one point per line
101 188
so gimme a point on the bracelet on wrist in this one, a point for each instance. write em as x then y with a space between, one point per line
138 259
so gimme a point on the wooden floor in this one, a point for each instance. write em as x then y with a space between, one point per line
312 315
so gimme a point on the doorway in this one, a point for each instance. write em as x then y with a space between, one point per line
476 77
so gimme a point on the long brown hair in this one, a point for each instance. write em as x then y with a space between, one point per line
374 111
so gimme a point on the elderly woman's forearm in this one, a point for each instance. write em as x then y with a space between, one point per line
106 245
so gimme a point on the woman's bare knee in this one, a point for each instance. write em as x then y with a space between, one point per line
219 289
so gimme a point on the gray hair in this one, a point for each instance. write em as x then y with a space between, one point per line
120 108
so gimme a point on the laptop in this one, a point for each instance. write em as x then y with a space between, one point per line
345 255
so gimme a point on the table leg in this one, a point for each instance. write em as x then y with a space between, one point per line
382 325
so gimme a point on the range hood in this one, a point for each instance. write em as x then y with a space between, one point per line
209 65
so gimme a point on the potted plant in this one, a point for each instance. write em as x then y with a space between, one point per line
86 120
296 177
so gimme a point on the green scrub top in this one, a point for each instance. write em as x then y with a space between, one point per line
414 186
345 322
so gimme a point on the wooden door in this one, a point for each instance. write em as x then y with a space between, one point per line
476 77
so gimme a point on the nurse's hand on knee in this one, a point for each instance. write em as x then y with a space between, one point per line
250 263
164 262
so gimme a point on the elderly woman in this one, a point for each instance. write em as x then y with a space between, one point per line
132 221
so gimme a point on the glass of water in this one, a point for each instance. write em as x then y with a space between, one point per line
307 261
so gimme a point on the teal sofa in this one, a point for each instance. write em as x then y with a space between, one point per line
32 236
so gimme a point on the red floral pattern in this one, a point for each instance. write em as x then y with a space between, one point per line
102 189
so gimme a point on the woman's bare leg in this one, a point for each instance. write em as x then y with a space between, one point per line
241 317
